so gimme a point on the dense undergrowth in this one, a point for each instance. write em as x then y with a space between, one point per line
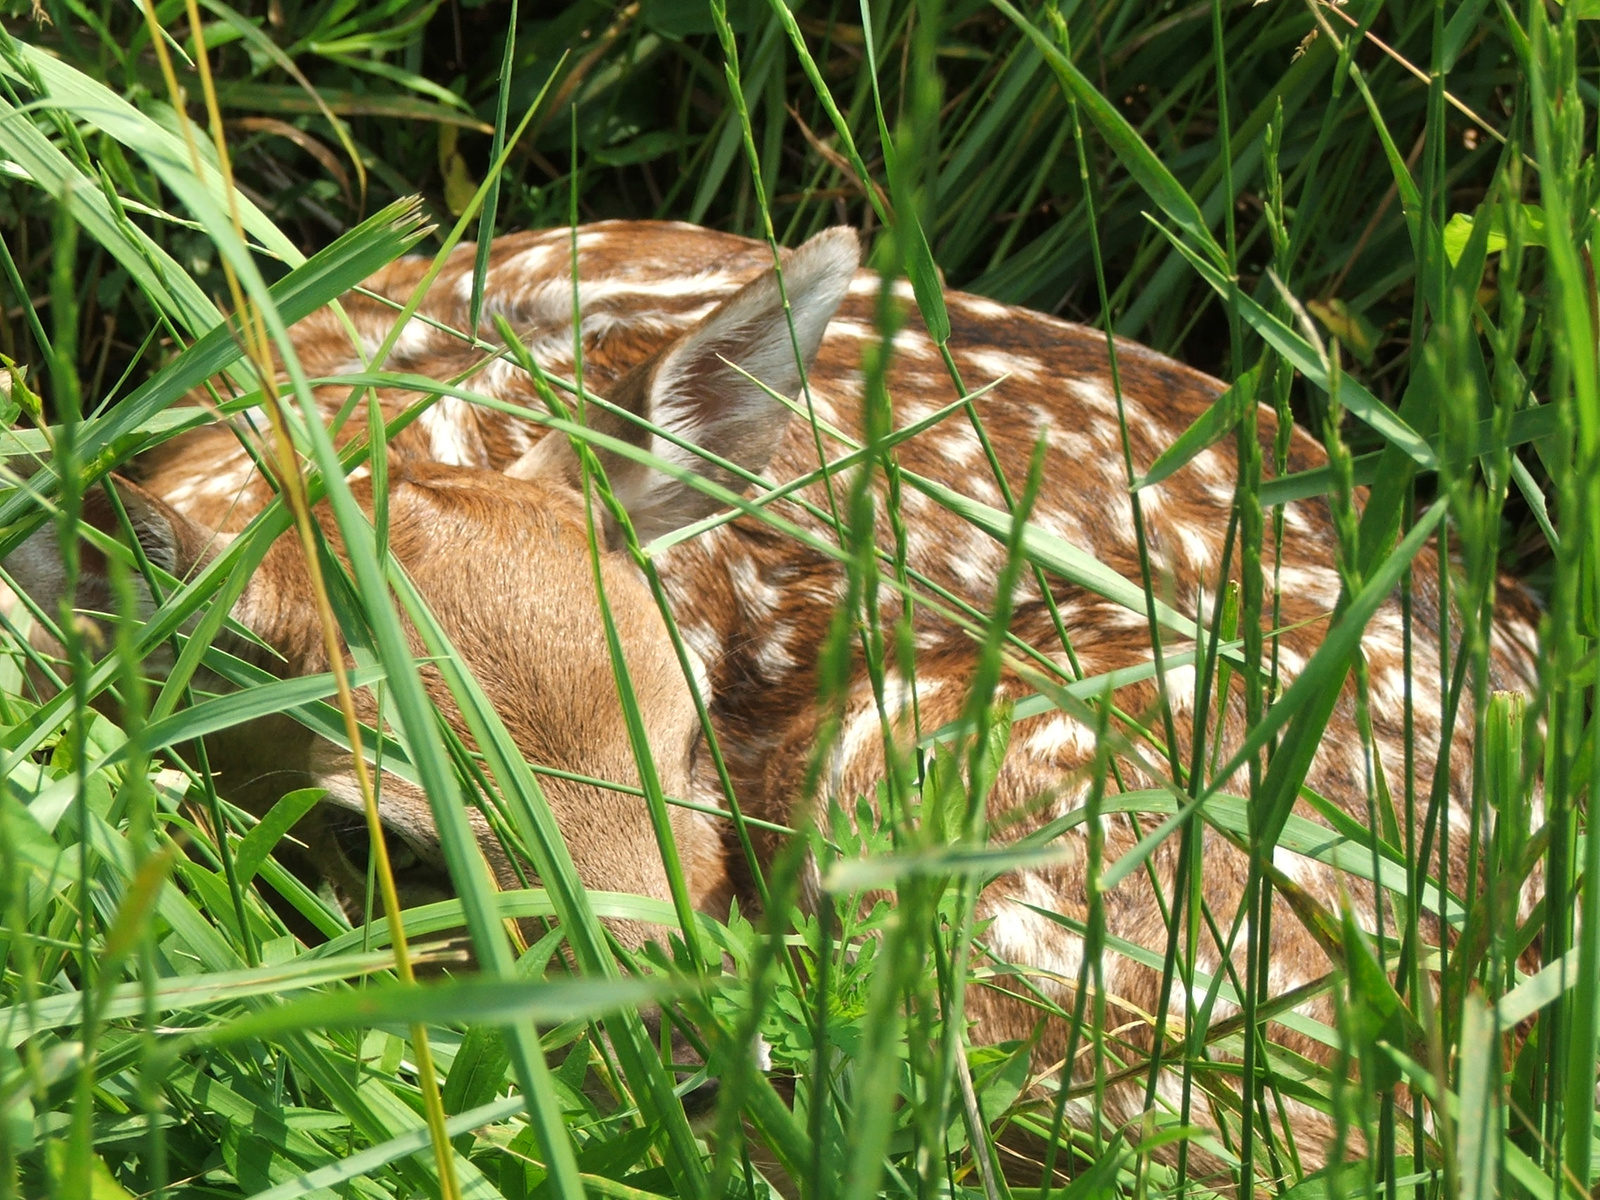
1390 203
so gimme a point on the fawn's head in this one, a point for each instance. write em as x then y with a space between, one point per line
504 562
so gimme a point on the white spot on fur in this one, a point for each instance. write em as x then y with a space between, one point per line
755 593
452 433
1211 466
993 364
1221 1008
1388 689
960 444
913 343
825 410
867 284
1019 934
773 657
1076 446
980 561
702 640
1290 661
984 309
865 728
706 283
1061 737
536 261
1293 865
1180 688
1310 583
1094 395
1118 514
414 339
1285 976
701 676
846 327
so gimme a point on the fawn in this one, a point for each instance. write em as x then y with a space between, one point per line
486 515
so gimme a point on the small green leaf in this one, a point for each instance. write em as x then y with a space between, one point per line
15 394
1530 218
459 186
102 1185
1478 1131
133 914
1355 333
487 1000
1377 1012
645 148
254 847
1208 428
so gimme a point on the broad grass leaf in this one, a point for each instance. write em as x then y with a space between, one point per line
1308 702
159 278
519 906
1529 219
1478 1132
218 988
494 1001
91 101
366 1162
1376 1012
1217 422
346 102
1543 988
479 1071
254 847
224 712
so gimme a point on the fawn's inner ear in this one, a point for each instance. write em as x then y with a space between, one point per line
701 384
702 387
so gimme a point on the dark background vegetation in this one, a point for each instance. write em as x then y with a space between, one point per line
413 88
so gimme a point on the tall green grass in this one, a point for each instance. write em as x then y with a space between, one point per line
1375 217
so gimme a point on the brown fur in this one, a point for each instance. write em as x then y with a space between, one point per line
503 563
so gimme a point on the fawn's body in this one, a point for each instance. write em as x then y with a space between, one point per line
754 604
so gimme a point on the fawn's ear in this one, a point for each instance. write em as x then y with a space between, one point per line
169 540
690 389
